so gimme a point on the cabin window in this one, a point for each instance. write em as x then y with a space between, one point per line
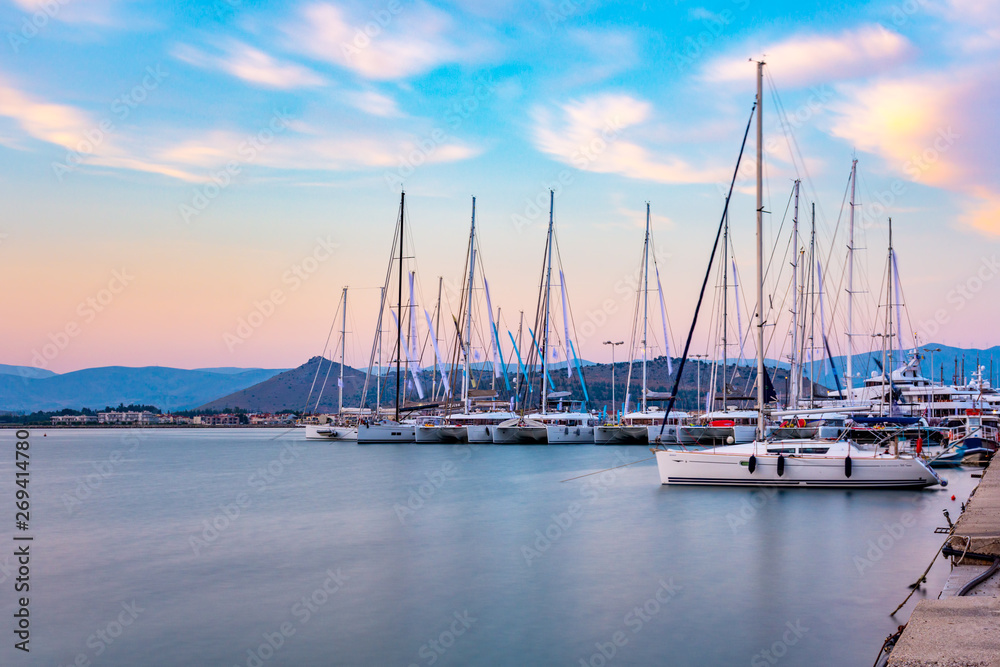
781 450
813 450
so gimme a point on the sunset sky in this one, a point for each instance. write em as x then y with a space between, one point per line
168 168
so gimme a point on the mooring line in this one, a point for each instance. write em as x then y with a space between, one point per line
606 469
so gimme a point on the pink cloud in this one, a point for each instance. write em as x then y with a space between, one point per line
806 60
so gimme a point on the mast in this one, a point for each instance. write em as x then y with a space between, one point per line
378 336
725 314
437 328
888 331
548 289
850 289
795 385
399 302
468 308
343 345
812 309
760 252
645 307
520 375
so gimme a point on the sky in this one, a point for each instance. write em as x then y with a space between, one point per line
193 184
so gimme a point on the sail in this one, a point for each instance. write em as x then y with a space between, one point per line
562 285
410 364
663 316
437 354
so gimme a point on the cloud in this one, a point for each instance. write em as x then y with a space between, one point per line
587 135
937 129
374 103
70 11
380 46
54 123
809 59
251 65
187 155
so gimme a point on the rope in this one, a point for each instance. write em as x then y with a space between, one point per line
607 469
916 585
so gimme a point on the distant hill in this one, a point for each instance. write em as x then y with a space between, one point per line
25 371
95 388
866 363
289 390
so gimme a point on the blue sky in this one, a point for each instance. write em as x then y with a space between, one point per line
207 149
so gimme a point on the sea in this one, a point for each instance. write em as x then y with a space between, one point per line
256 547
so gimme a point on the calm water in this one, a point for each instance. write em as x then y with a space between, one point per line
421 555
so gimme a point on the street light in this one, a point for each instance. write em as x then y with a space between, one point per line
614 410
932 350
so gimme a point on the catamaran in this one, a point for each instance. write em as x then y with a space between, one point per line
789 463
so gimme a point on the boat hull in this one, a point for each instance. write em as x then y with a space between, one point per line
520 435
480 433
668 436
620 435
332 433
722 469
708 436
440 435
385 433
569 435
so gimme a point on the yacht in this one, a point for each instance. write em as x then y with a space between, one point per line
520 431
730 427
568 428
331 431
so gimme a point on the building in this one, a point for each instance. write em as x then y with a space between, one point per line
144 417
74 419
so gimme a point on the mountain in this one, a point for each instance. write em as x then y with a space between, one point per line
290 390
25 371
96 388
945 358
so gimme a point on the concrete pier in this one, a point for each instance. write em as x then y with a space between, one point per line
961 631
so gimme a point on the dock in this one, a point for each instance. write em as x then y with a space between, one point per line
955 631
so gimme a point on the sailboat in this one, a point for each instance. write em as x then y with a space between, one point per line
338 430
544 427
789 463
642 426
391 430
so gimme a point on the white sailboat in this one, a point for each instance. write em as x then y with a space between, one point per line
530 430
337 430
391 430
642 427
793 463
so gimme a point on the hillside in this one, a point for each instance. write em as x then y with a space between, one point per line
944 360
290 389
95 388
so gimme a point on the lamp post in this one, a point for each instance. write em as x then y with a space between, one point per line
932 350
613 345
